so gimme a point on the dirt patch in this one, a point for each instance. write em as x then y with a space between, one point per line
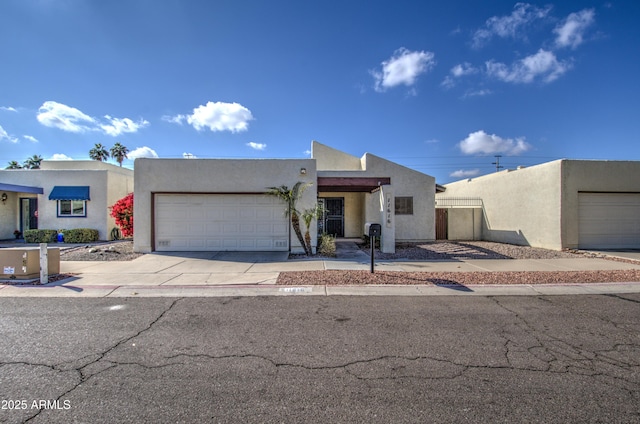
111 251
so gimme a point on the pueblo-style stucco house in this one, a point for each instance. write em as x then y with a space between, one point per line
585 204
221 204
62 195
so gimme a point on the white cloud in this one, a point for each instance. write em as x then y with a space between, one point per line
60 156
178 119
481 143
8 108
119 126
458 71
307 152
218 116
477 93
142 152
4 136
57 115
403 68
189 156
30 138
570 33
465 173
257 146
543 64
510 25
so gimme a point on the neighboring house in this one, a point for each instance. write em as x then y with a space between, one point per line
62 195
561 204
221 204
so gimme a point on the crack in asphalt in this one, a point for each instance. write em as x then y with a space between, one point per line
563 357
84 377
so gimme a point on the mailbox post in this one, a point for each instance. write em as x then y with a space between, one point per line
375 230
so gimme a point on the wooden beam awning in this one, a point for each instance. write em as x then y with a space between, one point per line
351 184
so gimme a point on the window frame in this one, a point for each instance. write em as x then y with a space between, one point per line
72 213
405 207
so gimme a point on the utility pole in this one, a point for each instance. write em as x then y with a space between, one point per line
497 163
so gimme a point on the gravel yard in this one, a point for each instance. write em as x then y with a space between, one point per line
111 251
445 250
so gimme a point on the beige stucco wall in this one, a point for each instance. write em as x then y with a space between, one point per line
330 159
593 176
107 183
520 206
538 205
215 176
353 212
404 182
464 223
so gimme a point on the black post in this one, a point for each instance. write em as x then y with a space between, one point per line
372 240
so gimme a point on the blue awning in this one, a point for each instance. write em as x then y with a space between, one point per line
20 188
70 193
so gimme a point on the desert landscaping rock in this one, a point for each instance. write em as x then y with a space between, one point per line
112 251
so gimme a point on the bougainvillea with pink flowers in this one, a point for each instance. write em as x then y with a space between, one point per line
122 211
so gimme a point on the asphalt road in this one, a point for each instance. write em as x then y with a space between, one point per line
331 359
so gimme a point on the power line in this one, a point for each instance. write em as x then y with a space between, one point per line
497 162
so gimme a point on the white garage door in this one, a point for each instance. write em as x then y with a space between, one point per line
609 220
215 222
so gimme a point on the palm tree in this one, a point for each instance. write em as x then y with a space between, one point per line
14 165
119 152
307 216
291 197
99 153
33 162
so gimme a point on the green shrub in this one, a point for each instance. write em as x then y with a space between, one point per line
40 236
327 245
80 235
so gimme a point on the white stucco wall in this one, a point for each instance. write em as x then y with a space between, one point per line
215 176
520 206
107 183
404 182
538 205
592 176
464 224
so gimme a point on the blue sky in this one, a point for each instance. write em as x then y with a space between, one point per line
440 87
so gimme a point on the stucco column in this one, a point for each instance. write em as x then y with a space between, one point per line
387 219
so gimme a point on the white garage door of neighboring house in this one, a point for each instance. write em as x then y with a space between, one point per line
217 222
609 220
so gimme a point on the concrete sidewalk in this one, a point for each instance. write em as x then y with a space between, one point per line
255 273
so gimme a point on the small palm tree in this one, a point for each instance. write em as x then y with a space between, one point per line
33 162
291 197
99 152
14 165
119 153
308 215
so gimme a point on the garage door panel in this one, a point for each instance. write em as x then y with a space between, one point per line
609 220
219 222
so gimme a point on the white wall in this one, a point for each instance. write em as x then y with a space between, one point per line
107 183
214 176
520 206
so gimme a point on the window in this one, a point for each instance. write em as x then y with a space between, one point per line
72 208
404 205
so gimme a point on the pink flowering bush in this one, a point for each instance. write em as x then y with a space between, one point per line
122 211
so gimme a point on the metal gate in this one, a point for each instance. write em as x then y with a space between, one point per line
333 220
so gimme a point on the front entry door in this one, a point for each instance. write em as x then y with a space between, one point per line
333 216
28 214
